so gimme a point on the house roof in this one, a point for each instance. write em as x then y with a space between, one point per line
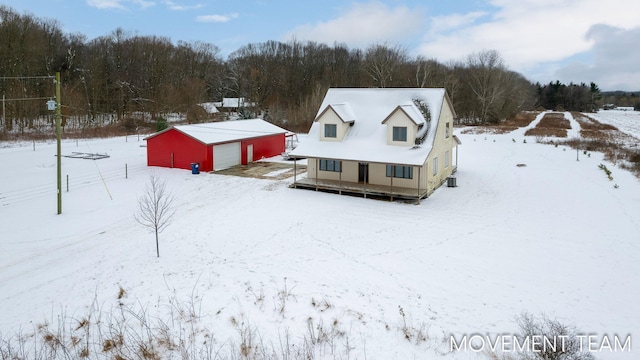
343 111
412 112
366 140
209 107
235 103
226 131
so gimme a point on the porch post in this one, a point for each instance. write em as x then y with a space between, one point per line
419 168
340 180
366 181
316 174
295 170
427 177
393 172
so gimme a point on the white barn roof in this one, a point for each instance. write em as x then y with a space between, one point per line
366 140
227 131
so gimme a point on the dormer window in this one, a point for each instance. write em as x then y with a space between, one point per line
330 131
399 133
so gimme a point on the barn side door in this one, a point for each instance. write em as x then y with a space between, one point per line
249 153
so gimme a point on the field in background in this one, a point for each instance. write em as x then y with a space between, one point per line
250 266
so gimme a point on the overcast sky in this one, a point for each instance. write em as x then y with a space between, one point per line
545 40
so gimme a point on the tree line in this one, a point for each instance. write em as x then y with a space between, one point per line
612 99
123 79
573 97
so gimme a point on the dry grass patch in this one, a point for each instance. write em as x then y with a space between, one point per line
523 119
554 121
551 125
546 132
588 123
598 135
488 130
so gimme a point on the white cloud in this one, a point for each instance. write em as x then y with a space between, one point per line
363 24
451 22
528 32
143 3
119 4
217 18
177 7
106 4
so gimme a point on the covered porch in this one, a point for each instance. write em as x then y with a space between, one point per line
361 189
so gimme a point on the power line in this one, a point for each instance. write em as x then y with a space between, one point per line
26 77
25 99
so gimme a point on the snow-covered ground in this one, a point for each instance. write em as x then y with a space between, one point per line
552 237
626 121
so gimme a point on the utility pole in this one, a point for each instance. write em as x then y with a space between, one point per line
51 105
58 134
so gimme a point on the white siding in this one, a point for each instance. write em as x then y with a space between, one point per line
399 118
443 147
330 117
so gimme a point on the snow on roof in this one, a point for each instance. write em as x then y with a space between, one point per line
236 103
209 107
344 112
227 131
414 114
366 140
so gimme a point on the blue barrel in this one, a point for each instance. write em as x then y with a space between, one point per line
195 168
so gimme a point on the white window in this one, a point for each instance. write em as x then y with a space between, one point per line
331 165
330 130
446 159
447 131
399 133
435 166
398 171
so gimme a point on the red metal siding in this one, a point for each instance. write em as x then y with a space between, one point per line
185 151
266 146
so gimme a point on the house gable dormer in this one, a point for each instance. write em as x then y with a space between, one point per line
403 124
335 120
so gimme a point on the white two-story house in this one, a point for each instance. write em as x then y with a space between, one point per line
395 142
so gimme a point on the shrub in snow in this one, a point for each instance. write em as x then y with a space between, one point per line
603 167
531 327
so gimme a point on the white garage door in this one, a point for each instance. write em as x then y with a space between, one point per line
226 155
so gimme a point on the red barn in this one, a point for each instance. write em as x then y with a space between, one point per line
215 146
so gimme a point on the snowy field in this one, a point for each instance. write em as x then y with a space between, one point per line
553 237
626 121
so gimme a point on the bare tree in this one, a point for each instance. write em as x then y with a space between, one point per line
381 63
487 77
155 207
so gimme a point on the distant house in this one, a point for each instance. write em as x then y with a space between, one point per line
385 142
215 146
209 107
203 112
233 104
